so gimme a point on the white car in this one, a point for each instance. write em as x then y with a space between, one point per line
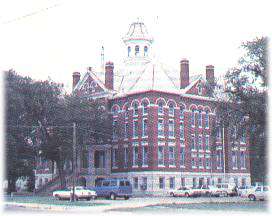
80 193
183 191
242 190
227 189
258 193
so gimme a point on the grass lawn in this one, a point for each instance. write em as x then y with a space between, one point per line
49 200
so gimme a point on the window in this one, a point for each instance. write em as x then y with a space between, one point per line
181 114
243 160
125 157
171 128
199 119
135 109
234 160
193 147
171 109
145 156
199 89
200 162
171 152
126 130
145 108
126 112
114 130
208 163
206 119
145 51
135 155
114 157
243 136
194 182
193 162
193 118
84 159
144 185
207 142
144 130
137 50
218 132
135 183
129 50
160 109
161 183
208 181
182 156
181 129
219 159
160 127
172 182
183 182
160 155
135 128
200 146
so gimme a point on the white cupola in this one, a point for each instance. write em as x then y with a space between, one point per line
138 44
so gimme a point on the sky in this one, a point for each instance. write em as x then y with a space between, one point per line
54 38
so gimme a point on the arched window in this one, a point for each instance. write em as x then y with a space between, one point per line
199 89
137 50
144 108
181 113
199 118
145 51
206 119
135 109
160 111
193 114
171 109
129 50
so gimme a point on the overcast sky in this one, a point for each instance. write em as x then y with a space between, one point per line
56 37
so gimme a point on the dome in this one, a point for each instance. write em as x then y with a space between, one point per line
137 31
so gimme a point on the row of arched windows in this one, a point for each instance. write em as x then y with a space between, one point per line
137 51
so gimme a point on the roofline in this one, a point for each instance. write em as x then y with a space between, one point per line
197 97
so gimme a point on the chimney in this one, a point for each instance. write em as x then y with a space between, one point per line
184 73
109 75
76 78
210 73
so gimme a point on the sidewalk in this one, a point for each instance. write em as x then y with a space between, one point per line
124 204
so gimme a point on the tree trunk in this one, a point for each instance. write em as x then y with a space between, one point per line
61 174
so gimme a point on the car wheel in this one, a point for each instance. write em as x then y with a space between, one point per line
252 197
126 197
88 199
187 195
172 194
112 196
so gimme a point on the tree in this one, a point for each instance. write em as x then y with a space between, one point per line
246 104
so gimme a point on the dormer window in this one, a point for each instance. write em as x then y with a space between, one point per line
129 50
137 50
145 51
199 89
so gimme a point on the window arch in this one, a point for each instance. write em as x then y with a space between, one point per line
160 108
137 50
129 50
145 51
115 110
145 104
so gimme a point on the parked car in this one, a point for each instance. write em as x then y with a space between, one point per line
226 189
242 190
182 191
258 193
80 193
112 188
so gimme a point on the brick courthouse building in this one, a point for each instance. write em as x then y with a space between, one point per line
162 125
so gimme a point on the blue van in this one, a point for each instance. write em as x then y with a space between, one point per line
113 187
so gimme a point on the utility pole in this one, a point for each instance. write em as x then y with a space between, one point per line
224 154
74 161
